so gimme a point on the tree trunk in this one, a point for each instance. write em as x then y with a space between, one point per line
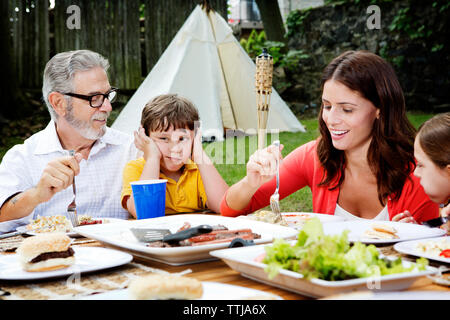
14 103
271 18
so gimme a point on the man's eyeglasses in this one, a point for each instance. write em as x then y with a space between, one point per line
96 100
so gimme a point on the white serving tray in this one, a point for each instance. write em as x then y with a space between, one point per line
242 260
119 236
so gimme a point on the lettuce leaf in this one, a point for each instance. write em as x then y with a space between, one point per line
330 257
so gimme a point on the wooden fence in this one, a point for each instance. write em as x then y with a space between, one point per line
131 34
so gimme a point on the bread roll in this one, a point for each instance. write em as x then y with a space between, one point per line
162 286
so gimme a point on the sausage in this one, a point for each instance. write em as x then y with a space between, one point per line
248 236
203 237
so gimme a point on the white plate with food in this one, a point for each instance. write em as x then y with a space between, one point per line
119 235
60 223
298 219
290 219
211 291
245 261
378 232
395 295
86 260
428 248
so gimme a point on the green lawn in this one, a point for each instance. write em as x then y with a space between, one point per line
232 168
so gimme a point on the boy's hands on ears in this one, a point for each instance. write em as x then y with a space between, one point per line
197 148
146 145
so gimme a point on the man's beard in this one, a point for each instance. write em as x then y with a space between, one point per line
85 128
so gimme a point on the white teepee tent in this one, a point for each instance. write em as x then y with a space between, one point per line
206 64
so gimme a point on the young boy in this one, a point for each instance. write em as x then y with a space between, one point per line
173 151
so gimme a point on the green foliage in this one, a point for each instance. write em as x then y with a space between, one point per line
437 47
398 61
355 1
293 58
294 21
407 22
442 5
256 42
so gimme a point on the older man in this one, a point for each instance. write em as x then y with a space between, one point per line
35 176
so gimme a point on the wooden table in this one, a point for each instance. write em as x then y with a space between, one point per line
218 271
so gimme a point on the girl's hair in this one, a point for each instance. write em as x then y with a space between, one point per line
166 111
391 151
434 138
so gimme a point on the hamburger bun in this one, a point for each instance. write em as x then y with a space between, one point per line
45 252
165 286
49 265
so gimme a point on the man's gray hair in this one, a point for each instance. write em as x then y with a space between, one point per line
60 71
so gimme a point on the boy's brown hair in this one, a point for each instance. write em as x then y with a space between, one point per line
168 110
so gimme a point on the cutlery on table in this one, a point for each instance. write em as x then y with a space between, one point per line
72 208
437 222
18 233
152 235
13 234
275 197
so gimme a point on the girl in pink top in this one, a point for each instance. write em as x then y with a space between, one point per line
361 165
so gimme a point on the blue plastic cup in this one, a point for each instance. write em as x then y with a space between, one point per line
149 198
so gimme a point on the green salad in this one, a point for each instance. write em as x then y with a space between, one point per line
330 257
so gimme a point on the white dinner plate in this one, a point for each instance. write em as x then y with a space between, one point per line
211 291
71 234
118 235
243 261
395 295
410 247
405 231
87 259
298 219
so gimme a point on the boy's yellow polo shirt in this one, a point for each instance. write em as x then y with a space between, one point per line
186 195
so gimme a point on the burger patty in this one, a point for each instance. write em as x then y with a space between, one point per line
53 255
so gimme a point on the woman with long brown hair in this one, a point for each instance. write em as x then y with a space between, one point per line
362 164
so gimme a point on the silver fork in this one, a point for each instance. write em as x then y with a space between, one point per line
72 208
275 197
149 235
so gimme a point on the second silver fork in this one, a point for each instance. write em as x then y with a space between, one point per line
275 197
72 208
